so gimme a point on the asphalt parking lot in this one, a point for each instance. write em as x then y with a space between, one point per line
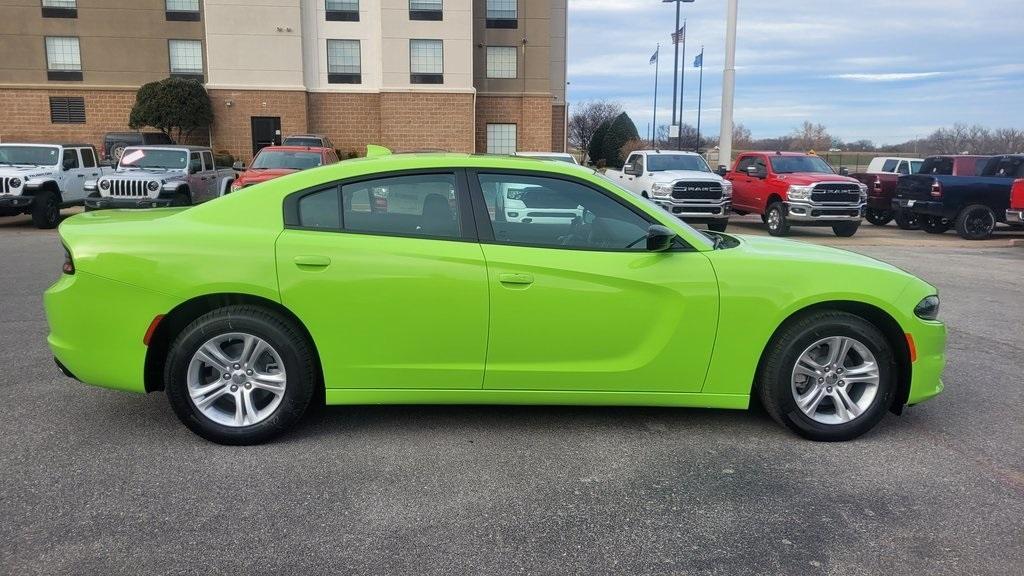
101 482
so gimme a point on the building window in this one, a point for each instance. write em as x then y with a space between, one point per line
426 61
67 110
182 10
60 9
501 61
343 10
343 62
186 58
502 14
501 138
63 59
425 10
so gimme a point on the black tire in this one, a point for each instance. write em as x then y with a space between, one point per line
764 217
845 229
718 225
976 222
907 220
181 199
281 334
116 151
46 210
878 217
777 213
775 376
935 224
741 212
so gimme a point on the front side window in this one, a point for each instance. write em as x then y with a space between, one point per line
502 61
343 10
195 163
419 205
179 10
501 138
285 160
88 158
426 61
425 10
70 159
793 164
343 62
63 58
502 13
186 57
553 213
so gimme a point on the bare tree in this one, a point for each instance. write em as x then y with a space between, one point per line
585 119
810 136
741 137
954 140
1007 140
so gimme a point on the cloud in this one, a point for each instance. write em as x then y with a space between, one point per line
886 76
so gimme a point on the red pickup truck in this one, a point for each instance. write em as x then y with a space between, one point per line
1015 213
796 189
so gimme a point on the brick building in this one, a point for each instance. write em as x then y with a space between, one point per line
459 75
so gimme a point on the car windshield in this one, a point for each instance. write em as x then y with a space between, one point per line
659 162
154 158
791 164
302 141
31 155
284 159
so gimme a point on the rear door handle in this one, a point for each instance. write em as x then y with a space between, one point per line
506 278
312 261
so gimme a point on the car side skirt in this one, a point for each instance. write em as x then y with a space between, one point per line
351 396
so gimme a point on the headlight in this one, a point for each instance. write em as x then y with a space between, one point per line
15 182
726 189
800 192
661 190
927 309
236 186
863 192
153 185
104 184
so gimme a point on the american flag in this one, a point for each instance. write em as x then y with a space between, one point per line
679 36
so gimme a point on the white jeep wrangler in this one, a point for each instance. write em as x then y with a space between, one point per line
40 179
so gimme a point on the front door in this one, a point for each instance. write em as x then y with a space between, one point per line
386 275
578 304
266 131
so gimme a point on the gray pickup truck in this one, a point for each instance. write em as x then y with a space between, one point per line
158 176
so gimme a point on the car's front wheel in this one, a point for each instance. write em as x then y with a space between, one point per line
240 375
907 220
775 218
828 376
878 217
845 229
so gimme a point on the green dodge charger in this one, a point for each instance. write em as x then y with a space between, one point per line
461 279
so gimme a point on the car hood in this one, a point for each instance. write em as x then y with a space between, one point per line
674 175
770 248
146 175
257 176
805 178
26 171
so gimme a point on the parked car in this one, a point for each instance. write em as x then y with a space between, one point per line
880 178
114 143
158 176
308 140
558 156
1015 213
275 161
796 189
971 204
40 179
241 309
680 182
949 165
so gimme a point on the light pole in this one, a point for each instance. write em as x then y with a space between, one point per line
675 72
728 86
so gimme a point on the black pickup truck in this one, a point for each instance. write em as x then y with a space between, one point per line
972 204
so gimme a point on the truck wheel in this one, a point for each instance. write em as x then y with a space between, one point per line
45 210
181 199
878 217
828 376
776 219
117 150
976 222
907 220
741 212
845 229
718 225
935 224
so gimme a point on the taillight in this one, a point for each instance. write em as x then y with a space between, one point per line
878 184
69 264
936 189
1017 194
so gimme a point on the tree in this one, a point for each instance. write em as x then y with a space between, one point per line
586 119
621 131
595 150
810 136
1007 140
741 137
175 106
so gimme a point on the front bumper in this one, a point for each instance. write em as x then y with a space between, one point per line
810 213
693 210
102 202
12 201
1015 216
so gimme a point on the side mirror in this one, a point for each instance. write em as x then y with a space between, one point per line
722 170
631 170
238 165
659 238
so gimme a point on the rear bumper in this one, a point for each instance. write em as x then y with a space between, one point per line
880 202
696 210
810 213
12 201
923 207
1015 216
109 202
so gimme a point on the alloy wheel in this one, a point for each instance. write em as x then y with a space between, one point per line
979 223
236 379
835 380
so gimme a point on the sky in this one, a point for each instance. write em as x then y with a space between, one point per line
887 71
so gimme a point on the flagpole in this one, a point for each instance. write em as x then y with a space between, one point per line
654 122
700 96
682 88
675 66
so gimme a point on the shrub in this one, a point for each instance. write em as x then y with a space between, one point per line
621 131
595 150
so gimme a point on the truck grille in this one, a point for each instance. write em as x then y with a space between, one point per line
5 185
697 191
129 188
836 192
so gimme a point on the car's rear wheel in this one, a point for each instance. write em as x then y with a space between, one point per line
240 375
776 219
828 376
936 224
878 217
45 210
976 222
845 229
907 220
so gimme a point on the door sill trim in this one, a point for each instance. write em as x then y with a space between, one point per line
356 396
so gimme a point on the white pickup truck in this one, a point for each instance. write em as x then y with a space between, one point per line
680 182
40 179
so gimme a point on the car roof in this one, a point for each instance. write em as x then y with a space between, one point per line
47 144
296 149
779 153
172 147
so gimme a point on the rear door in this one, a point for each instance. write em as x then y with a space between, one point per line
72 184
89 170
387 275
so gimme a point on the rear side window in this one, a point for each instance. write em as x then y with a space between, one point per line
939 166
745 163
417 205
1005 167
88 159
320 210
208 160
890 165
904 168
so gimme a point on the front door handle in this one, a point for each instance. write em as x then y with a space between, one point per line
506 278
312 261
